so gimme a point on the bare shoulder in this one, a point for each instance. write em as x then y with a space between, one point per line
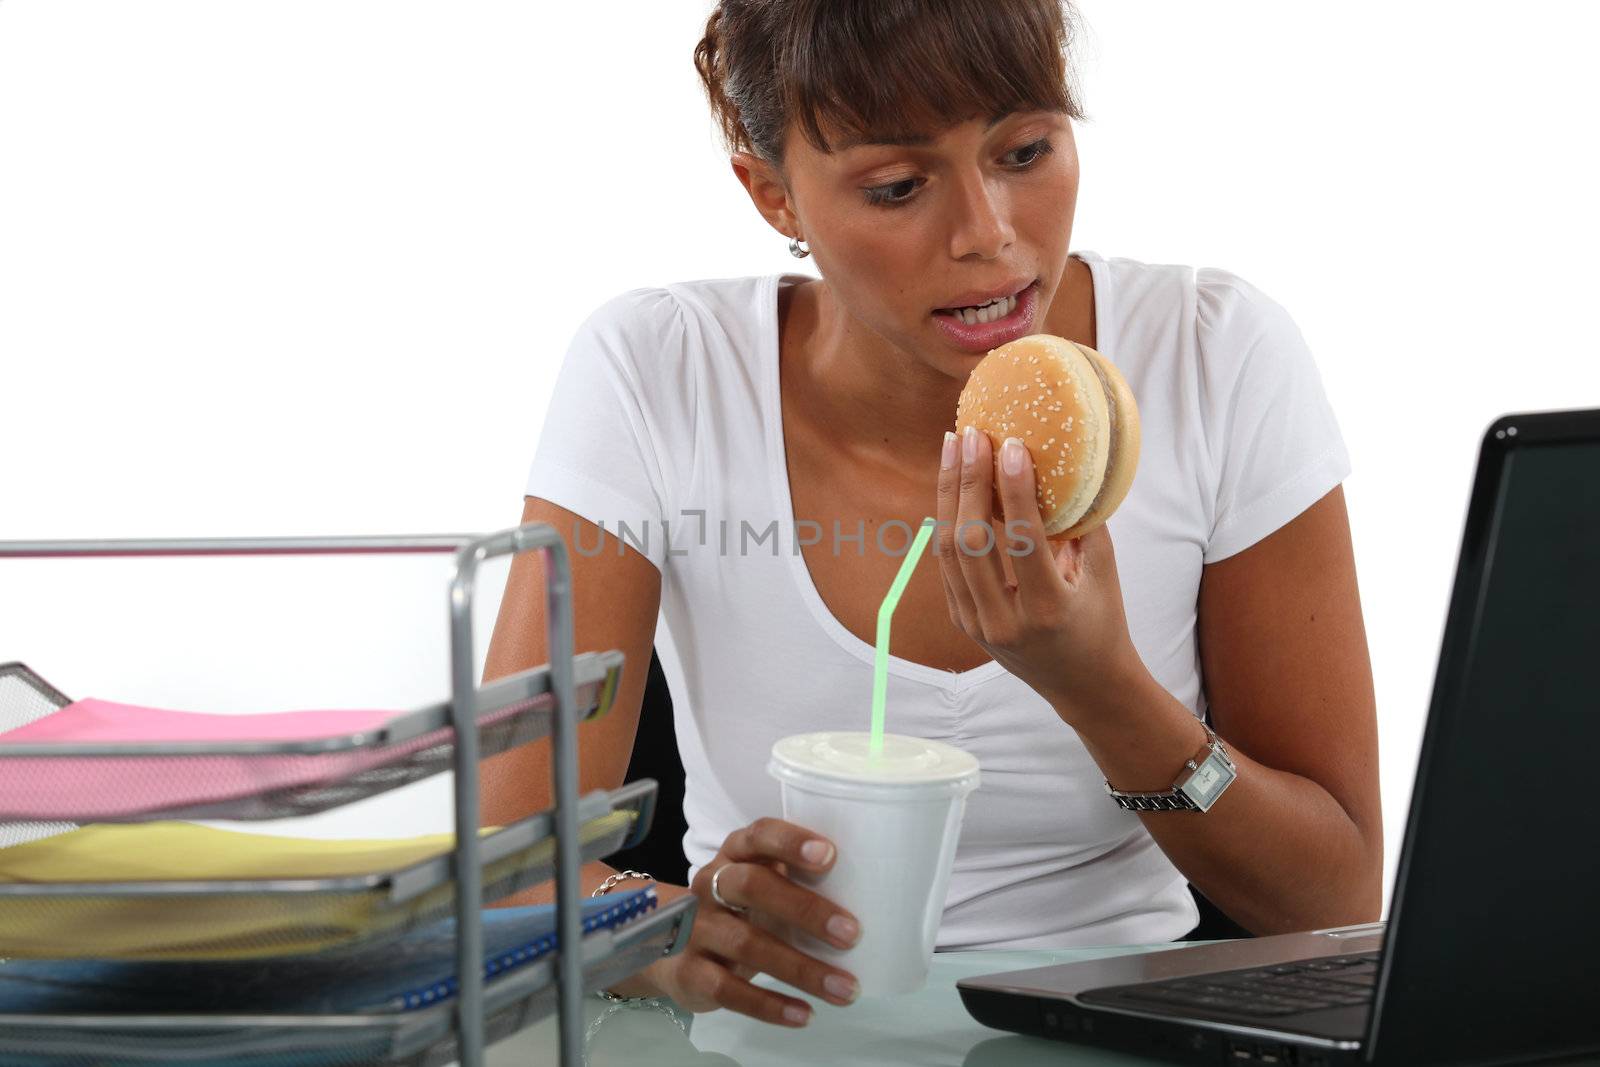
614 587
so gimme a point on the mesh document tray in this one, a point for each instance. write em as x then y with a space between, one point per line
55 782
259 918
431 1035
424 1038
413 972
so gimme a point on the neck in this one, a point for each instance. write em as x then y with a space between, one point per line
881 409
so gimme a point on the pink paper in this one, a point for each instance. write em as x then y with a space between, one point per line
90 788
92 720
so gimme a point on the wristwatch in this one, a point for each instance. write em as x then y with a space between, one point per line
1195 792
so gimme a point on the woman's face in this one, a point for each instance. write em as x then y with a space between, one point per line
902 230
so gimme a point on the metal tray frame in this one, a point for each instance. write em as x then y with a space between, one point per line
596 676
466 1014
41 688
425 1037
393 897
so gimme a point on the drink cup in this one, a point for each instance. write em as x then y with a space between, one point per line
894 819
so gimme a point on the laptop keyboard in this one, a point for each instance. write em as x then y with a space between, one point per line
1282 989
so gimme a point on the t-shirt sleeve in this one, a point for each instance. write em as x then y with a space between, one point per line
1275 443
598 453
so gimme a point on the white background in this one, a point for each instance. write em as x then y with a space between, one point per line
309 267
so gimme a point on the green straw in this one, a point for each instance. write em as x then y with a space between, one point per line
880 666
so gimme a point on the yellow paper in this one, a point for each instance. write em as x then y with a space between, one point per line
221 925
165 851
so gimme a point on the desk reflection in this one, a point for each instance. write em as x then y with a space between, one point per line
929 1028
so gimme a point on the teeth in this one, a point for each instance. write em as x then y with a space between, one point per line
995 309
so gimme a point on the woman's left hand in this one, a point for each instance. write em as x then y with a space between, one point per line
1052 614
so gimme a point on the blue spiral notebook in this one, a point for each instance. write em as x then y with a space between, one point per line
415 971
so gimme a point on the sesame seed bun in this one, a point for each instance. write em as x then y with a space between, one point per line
1076 416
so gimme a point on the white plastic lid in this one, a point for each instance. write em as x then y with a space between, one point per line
845 757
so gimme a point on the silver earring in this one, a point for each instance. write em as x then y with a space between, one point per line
796 251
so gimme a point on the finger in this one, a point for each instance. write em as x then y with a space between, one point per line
735 939
958 600
721 986
976 549
761 889
1032 558
768 840
962 616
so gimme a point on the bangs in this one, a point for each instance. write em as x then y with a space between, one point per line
890 70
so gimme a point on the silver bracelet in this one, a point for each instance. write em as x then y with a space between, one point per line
618 878
605 887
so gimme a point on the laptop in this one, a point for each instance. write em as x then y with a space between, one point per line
1491 952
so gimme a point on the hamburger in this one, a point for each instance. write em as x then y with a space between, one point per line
1076 416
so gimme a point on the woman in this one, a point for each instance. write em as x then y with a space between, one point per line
923 152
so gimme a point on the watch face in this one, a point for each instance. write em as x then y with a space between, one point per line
1208 781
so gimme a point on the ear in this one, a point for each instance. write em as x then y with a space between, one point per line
767 191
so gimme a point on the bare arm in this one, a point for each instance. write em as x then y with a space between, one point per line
1296 843
616 594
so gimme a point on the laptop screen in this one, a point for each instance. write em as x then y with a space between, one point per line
1494 931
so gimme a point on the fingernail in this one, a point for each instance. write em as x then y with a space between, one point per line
947 457
1011 455
843 928
840 987
969 445
795 1014
817 852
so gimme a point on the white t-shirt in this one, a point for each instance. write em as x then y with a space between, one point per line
667 405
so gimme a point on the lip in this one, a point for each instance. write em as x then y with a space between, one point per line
973 297
981 337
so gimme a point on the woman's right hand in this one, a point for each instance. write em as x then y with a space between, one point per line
726 947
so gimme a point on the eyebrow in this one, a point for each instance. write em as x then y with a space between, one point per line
908 139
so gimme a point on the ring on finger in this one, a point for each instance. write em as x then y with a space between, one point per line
716 893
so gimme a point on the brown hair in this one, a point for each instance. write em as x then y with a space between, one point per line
879 68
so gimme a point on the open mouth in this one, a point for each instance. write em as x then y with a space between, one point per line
980 328
978 314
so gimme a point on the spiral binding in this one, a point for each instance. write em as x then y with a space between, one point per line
625 909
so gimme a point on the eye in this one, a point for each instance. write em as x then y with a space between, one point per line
887 196
1038 149
882 194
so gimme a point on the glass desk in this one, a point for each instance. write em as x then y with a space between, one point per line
929 1028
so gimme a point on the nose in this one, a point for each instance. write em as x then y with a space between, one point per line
981 224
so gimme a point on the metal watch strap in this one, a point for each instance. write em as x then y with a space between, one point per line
1173 799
